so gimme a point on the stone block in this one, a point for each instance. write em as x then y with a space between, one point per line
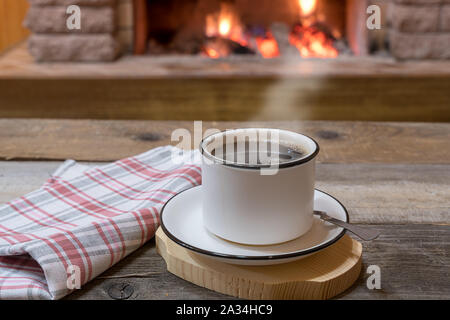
417 18
53 19
73 47
420 46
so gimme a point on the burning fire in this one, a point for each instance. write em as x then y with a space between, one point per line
225 30
311 42
268 46
226 25
307 7
212 53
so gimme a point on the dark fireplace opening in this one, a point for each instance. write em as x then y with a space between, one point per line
260 28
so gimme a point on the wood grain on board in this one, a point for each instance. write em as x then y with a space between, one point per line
340 142
409 256
324 274
425 99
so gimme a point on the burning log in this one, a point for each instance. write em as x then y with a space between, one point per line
227 30
312 42
216 47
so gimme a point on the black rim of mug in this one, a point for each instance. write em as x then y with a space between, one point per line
257 166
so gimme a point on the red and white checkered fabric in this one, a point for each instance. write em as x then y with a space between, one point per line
85 219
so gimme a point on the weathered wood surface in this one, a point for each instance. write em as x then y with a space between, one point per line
413 260
394 176
373 193
341 142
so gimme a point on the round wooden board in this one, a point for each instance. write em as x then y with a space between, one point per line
319 276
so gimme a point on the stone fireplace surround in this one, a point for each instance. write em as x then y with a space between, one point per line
106 30
417 29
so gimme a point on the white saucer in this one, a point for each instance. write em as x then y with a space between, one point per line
181 220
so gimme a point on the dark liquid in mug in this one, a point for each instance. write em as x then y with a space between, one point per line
262 153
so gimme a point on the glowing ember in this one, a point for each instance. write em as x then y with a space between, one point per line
212 53
307 7
268 46
216 49
311 42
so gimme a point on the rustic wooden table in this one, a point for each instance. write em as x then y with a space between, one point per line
393 176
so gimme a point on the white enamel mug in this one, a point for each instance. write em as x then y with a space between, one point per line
258 204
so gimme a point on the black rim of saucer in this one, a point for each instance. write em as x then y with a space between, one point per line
242 257
257 166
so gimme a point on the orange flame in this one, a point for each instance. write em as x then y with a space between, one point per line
268 46
311 42
212 53
224 27
224 24
307 7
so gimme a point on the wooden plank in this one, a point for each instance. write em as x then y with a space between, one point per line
12 13
341 142
395 193
242 98
372 193
413 260
192 88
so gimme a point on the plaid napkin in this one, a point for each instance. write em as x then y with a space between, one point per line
85 219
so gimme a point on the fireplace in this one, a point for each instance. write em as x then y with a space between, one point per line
263 28
222 29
